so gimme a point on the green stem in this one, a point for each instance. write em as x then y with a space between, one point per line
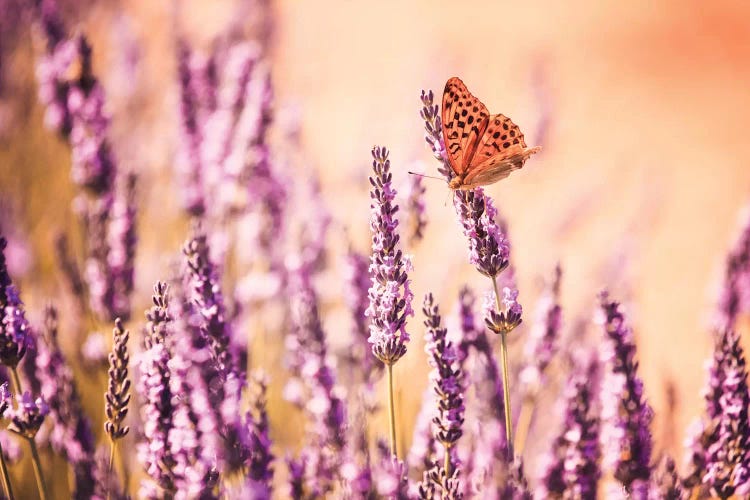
38 470
6 477
391 411
506 382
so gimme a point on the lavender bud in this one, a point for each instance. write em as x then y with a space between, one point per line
117 396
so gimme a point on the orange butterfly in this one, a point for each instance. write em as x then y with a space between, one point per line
481 148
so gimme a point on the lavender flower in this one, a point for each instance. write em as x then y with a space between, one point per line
27 416
157 411
488 250
503 322
307 351
626 416
448 384
209 302
195 436
15 330
260 471
122 244
117 396
390 295
728 443
430 113
542 340
70 432
190 159
572 470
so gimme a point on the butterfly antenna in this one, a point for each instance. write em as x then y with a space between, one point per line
428 176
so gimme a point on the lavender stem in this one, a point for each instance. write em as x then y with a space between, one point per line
506 389
38 469
16 380
391 411
6 477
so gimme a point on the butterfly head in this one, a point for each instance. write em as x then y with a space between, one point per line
456 182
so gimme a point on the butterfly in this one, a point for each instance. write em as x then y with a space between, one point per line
481 148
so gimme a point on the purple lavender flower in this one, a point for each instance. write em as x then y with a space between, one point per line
626 415
488 250
260 470
157 411
542 340
14 330
122 243
209 302
117 396
503 322
307 358
572 470
430 113
70 433
190 159
27 416
390 295
728 445
195 437
210 402
448 383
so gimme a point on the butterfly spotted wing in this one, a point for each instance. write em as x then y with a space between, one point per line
482 149
464 120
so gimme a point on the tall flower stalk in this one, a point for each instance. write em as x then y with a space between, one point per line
488 249
447 380
489 252
390 295
626 415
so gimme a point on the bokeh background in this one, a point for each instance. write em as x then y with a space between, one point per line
641 108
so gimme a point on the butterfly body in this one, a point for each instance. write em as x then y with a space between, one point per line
481 148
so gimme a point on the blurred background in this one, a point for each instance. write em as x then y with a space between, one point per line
641 109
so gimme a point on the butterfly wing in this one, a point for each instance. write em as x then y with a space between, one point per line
501 149
465 119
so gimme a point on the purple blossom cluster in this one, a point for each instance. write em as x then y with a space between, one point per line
572 469
390 294
626 415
